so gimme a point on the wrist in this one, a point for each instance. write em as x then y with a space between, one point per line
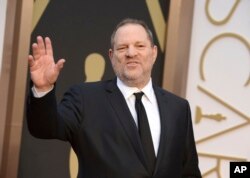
39 94
44 88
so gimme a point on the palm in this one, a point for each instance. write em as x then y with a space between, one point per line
43 71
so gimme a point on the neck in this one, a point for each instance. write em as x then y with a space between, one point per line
135 83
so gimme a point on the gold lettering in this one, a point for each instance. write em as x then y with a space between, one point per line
218 159
218 117
215 39
226 19
242 115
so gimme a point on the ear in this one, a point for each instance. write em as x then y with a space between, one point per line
155 52
110 53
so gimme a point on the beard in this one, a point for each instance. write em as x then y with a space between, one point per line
133 78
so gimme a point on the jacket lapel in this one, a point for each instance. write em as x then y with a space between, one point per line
122 111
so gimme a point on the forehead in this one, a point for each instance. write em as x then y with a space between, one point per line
131 32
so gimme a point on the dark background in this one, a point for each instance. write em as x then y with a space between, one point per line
78 28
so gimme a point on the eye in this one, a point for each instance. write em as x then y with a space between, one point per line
121 48
140 46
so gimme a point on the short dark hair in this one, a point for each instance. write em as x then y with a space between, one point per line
132 21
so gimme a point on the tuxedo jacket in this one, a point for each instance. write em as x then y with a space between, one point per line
95 119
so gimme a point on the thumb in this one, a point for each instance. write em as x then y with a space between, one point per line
59 64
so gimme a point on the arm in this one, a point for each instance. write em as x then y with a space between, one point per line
49 120
44 73
42 115
191 167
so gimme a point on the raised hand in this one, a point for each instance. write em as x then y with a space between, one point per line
43 69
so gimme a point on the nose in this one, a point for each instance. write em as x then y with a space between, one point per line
131 51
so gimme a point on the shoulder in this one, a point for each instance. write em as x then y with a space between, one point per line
169 96
89 87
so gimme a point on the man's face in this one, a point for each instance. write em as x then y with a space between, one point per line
133 55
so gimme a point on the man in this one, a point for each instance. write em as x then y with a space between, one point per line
106 123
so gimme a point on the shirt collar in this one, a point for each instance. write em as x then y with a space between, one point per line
128 91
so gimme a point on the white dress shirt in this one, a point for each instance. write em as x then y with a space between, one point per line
150 104
39 94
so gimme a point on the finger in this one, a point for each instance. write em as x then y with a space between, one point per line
41 46
49 49
35 51
30 60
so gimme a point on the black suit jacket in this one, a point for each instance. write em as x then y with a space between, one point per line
96 120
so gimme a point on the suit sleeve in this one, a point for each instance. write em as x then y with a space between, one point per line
48 120
190 163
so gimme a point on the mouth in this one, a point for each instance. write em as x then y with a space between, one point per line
132 63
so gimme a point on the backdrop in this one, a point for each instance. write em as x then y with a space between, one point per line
80 32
